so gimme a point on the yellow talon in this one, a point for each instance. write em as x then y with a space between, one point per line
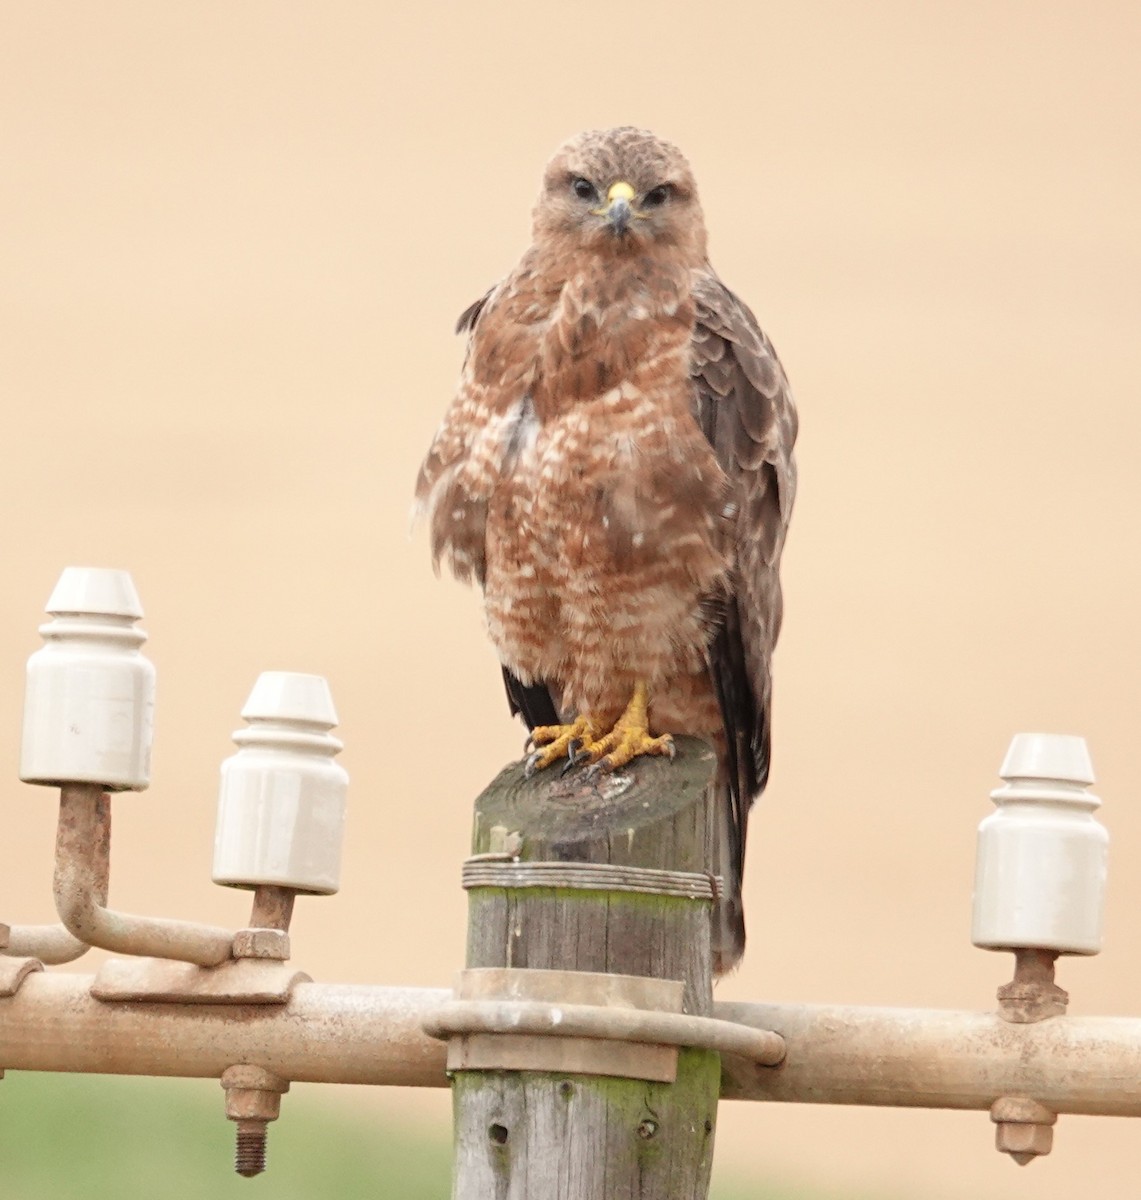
630 738
583 741
559 741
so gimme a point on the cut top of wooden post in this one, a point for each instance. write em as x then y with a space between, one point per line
654 813
654 816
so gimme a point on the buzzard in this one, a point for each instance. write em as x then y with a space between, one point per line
616 473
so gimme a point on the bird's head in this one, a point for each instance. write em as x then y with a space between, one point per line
619 191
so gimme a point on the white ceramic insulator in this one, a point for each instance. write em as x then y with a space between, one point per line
89 698
1041 866
281 807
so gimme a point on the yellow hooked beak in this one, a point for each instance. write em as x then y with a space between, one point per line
618 211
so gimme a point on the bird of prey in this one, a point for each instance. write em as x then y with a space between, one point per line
616 473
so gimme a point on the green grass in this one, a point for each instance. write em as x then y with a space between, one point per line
67 1137
102 1138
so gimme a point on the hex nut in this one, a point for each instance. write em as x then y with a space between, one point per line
261 943
252 1104
252 1093
1023 1142
246 1076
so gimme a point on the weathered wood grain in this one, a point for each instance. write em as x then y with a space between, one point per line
531 1134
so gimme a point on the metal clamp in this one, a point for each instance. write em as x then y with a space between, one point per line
602 1030
13 972
163 980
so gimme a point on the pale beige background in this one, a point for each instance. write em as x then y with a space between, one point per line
234 240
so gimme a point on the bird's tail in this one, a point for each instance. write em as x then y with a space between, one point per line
729 853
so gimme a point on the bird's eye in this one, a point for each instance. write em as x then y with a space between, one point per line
583 188
657 196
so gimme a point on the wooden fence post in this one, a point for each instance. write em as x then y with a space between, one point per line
550 1133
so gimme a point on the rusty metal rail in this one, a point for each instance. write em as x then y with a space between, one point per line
340 1033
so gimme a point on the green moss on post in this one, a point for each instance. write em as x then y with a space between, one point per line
539 1135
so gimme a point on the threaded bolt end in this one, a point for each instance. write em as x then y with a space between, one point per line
249 1158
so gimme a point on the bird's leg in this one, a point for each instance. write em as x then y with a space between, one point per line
548 743
629 739
583 739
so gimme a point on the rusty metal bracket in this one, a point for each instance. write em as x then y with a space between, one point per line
583 1023
477 1044
163 980
13 972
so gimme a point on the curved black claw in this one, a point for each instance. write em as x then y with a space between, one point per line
575 755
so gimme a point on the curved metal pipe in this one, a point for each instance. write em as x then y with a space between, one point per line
84 823
53 944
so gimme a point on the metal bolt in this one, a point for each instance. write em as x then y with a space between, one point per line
1032 995
273 907
253 1098
249 1157
1024 1129
647 1129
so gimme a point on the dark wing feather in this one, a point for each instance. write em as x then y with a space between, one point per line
465 323
531 701
744 406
